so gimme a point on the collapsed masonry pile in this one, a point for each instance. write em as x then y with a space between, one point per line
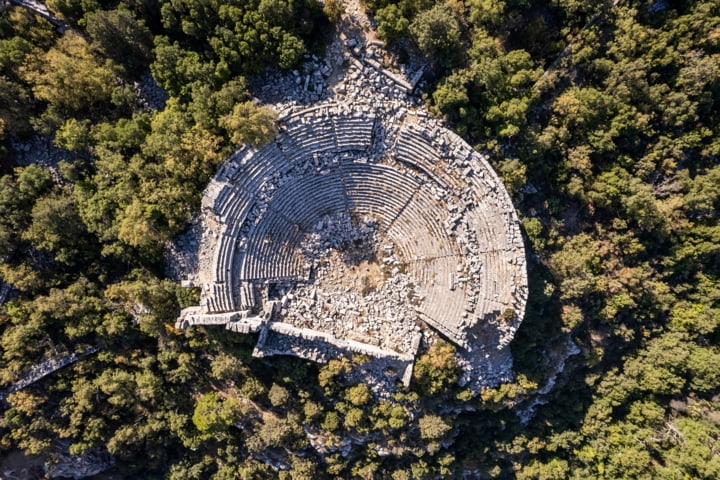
354 291
365 227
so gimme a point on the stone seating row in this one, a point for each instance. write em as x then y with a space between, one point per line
411 240
374 201
445 298
414 143
378 190
224 253
220 300
414 146
353 132
496 215
490 229
232 204
227 245
327 133
223 291
248 301
262 165
437 174
302 203
423 219
355 141
305 200
272 249
369 190
500 282
303 137
417 164
236 161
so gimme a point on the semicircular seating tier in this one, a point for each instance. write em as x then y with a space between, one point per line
436 203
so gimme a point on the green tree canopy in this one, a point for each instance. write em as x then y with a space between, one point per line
69 76
120 36
250 123
436 32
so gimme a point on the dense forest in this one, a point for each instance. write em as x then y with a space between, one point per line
601 117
